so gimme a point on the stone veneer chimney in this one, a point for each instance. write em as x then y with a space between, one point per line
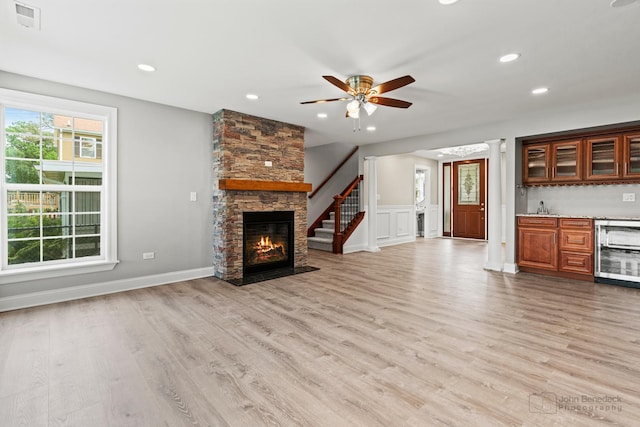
241 145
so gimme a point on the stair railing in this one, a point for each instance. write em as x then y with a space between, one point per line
347 214
334 171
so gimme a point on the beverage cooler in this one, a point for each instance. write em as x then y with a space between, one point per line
617 256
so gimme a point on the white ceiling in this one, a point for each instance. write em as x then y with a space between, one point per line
210 53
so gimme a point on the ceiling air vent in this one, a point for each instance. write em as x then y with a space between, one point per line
28 16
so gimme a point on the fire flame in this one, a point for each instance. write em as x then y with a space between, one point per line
265 245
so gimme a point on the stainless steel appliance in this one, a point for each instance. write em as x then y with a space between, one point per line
617 256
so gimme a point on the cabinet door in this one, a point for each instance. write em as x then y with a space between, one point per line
631 158
603 158
566 161
536 163
538 248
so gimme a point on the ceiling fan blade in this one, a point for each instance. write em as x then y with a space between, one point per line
320 101
392 84
389 102
339 83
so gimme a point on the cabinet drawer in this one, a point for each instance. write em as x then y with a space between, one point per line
537 221
576 240
576 223
574 262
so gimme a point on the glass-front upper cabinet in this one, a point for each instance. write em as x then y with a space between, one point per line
558 161
603 157
566 160
631 156
536 163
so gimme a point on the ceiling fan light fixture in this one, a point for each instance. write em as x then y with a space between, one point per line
370 108
353 109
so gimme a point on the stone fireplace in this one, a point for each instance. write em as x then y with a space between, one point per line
258 170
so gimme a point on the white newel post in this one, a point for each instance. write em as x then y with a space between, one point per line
494 219
372 205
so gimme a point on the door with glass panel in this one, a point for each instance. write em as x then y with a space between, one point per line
603 158
469 210
566 161
447 191
631 156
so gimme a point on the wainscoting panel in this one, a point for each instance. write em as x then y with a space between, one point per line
396 224
433 221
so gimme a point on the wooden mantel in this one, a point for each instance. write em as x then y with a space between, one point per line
256 185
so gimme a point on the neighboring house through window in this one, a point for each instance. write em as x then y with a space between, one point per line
58 168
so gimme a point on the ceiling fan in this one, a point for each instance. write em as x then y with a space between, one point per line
363 94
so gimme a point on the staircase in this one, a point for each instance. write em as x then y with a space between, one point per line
324 232
323 236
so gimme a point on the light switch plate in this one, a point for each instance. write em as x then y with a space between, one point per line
628 197
268 163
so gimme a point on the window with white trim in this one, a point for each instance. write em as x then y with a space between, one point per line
57 162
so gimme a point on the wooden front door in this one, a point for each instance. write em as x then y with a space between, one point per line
469 210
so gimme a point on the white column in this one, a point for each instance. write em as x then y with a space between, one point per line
372 205
494 219
514 199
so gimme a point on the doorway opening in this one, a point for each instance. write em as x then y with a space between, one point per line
422 199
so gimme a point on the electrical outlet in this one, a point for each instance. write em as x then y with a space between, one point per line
193 196
628 197
268 163
148 255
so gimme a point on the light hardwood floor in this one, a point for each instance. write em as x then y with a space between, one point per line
415 335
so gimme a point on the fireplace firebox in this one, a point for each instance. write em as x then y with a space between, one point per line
267 240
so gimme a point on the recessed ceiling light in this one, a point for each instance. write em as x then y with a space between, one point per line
146 67
447 2
621 3
440 155
322 115
509 57
540 90
252 96
371 128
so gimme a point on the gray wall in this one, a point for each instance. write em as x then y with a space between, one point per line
396 179
318 163
164 153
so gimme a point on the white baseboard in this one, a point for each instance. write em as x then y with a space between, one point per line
396 241
355 248
77 292
510 268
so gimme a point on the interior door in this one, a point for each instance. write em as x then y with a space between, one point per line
469 210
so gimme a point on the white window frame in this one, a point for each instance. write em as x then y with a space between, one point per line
108 234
